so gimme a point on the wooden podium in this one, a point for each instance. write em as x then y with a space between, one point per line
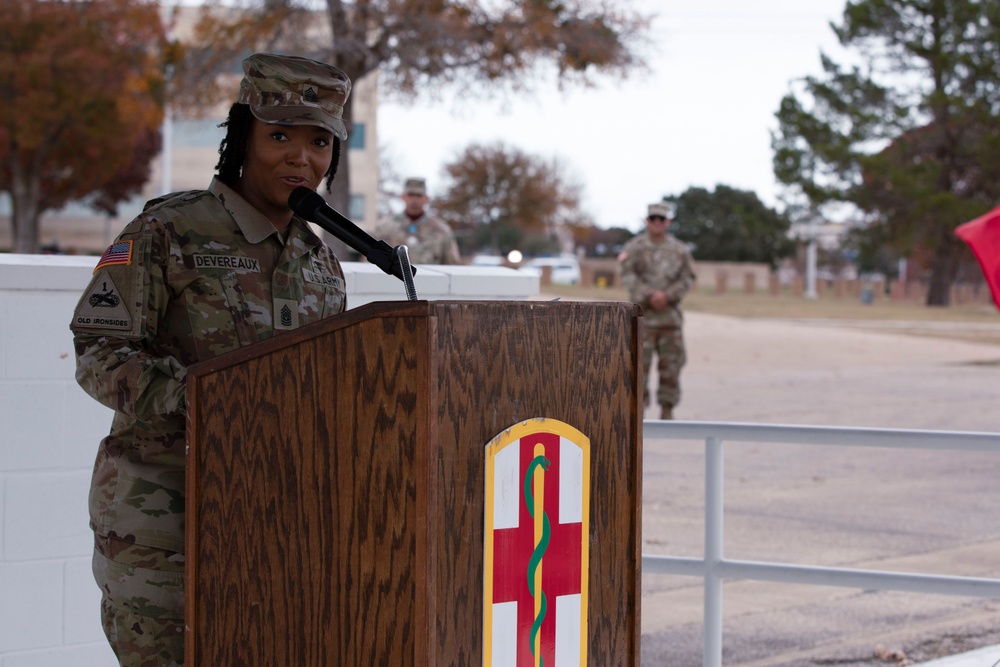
335 480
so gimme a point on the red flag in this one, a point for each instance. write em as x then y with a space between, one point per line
983 236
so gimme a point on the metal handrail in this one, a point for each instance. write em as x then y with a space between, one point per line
713 568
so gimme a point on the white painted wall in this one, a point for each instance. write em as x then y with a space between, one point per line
50 429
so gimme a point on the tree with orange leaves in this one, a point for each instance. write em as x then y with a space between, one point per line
506 199
82 87
419 46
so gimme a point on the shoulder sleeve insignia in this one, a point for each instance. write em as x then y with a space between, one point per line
103 307
117 253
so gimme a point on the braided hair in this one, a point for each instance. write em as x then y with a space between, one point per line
233 149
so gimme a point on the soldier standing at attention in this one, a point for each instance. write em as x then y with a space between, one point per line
195 275
427 239
656 270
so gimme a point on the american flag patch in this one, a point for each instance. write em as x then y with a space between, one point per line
117 253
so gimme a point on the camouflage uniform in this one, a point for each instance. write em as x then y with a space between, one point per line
197 274
427 239
647 267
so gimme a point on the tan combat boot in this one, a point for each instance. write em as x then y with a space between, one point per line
666 411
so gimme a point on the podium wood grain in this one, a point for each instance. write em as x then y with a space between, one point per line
336 479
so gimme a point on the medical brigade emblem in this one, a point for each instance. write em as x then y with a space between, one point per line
536 551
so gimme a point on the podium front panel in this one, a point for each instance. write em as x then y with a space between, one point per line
335 479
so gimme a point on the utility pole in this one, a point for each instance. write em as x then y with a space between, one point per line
811 262
166 155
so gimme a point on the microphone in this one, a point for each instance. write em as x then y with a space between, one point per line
310 205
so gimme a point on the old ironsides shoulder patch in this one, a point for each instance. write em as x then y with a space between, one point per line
104 307
536 556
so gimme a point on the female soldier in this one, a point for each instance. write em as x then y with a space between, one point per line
195 275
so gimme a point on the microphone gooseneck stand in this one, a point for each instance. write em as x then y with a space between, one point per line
310 205
403 257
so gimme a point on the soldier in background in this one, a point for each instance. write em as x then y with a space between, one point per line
427 239
195 275
657 271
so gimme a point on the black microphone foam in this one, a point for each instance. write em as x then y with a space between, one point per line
310 205
305 202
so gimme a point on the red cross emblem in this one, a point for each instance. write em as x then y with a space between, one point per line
536 557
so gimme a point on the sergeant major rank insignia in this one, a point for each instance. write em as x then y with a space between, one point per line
536 555
286 314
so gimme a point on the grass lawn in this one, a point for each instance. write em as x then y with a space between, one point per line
978 322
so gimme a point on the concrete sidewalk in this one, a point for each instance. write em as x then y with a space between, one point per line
799 372
984 657
872 508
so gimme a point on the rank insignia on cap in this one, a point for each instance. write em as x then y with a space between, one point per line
117 253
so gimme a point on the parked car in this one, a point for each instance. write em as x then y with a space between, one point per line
486 260
565 270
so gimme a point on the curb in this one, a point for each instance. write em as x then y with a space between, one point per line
988 656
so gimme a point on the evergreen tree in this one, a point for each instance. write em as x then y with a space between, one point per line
730 225
908 133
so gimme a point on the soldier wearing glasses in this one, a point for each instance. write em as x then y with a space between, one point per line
657 271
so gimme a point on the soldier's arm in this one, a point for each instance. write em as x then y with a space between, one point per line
127 378
684 279
639 291
451 254
442 241
119 366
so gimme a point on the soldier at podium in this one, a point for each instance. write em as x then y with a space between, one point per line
197 274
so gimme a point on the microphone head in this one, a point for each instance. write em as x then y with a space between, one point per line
304 202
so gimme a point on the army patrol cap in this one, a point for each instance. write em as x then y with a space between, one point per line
415 186
289 90
661 208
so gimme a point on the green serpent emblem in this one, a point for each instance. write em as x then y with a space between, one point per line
543 544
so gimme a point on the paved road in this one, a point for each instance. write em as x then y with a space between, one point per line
848 507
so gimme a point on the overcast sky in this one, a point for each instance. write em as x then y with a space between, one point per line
702 116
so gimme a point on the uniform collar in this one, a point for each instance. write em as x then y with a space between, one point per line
254 224
301 238
406 219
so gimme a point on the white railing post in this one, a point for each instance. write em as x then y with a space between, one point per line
714 511
714 567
